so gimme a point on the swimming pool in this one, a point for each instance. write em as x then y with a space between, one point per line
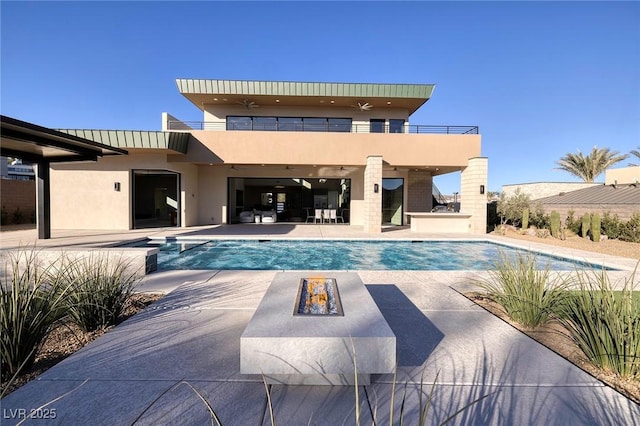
341 255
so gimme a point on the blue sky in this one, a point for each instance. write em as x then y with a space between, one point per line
540 79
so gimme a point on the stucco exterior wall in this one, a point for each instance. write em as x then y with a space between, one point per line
83 195
321 148
622 176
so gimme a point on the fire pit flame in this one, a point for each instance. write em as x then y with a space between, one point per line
318 296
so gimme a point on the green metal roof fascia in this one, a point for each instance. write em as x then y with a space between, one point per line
291 88
176 141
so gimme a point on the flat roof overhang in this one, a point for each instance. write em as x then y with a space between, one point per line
44 146
34 143
290 93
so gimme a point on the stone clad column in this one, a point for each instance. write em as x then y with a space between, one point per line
373 200
471 200
419 191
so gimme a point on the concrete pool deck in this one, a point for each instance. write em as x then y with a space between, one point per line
139 370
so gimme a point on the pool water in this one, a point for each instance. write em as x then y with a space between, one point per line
342 255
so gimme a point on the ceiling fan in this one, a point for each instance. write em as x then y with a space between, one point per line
363 106
248 104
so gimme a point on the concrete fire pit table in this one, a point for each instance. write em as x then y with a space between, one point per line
317 347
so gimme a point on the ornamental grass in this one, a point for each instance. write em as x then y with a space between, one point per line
529 295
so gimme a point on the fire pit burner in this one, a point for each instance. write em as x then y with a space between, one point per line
318 296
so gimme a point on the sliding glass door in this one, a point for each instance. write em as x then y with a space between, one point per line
392 201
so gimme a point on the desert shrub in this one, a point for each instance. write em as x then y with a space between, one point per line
542 233
604 325
510 208
100 292
611 225
630 231
538 218
595 227
31 302
529 295
572 223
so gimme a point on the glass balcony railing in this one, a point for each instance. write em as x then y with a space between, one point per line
342 128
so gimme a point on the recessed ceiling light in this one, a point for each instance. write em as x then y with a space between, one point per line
333 102
224 99
388 102
277 100
215 99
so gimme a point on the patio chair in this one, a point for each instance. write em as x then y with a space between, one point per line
246 217
318 216
333 216
339 216
309 216
269 217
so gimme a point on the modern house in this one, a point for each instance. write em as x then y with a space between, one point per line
286 148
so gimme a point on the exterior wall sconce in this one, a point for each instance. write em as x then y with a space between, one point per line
376 188
481 189
116 186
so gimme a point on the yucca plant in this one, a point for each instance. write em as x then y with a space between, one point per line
32 299
100 292
529 295
604 323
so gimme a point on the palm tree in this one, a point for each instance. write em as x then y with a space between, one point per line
589 167
635 153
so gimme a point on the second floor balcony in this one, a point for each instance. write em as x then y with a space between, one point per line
322 125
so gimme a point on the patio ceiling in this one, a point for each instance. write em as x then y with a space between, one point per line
34 143
294 93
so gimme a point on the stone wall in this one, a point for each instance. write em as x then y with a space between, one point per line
419 191
372 199
473 200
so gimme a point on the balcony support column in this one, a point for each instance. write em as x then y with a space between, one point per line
473 193
373 198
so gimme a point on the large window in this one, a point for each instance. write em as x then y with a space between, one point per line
265 123
293 199
339 124
376 125
239 123
289 124
396 125
156 200
315 124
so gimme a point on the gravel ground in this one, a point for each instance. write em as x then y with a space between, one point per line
611 247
